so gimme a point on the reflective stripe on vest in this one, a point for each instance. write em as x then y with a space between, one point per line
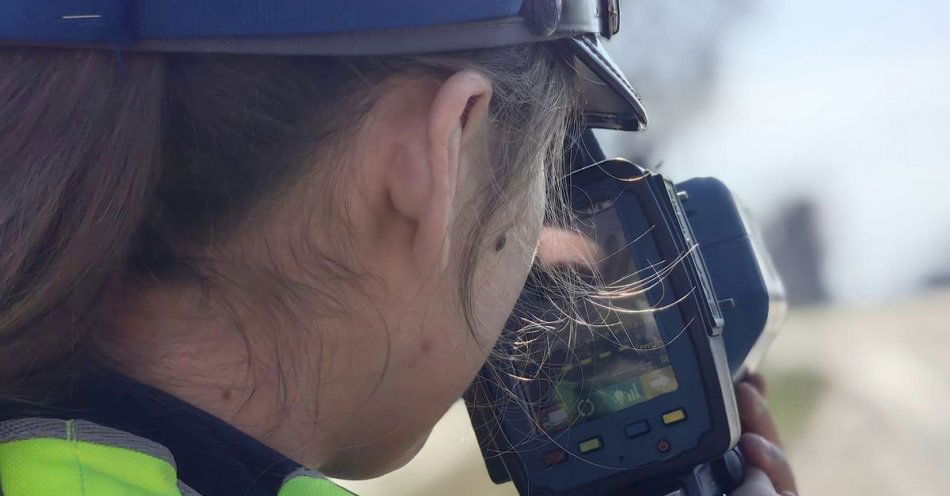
309 483
41 457
75 457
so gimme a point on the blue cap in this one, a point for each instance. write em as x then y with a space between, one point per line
340 27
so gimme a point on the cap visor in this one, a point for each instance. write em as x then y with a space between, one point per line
607 99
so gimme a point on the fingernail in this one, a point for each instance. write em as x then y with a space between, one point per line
759 443
762 442
756 396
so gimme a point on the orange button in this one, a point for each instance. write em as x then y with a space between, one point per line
554 457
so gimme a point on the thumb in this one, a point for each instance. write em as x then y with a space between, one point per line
761 453
756 483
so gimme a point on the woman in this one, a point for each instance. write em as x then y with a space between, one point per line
238 266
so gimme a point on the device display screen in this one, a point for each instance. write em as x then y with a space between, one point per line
615 356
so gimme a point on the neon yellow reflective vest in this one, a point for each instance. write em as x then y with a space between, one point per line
44 457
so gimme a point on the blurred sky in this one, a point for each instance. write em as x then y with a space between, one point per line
846 102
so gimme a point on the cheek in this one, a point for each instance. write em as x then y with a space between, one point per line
437 364
505 267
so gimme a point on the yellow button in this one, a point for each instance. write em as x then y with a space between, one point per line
591 444
674 416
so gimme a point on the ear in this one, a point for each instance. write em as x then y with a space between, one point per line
457 119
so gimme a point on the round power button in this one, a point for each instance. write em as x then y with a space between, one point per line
663 446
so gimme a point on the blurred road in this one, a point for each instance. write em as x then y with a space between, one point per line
883 424
873 420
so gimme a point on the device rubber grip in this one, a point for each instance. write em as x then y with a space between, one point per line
729 470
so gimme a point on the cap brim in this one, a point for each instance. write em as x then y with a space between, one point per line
607 99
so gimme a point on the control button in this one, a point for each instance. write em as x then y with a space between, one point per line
663 446
637 428
592 444
554 457
554 419
674 417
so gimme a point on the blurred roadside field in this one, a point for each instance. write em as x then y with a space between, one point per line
859 394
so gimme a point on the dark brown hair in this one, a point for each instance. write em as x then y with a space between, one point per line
109 166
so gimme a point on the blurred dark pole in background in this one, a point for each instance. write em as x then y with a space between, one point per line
939 278
795 243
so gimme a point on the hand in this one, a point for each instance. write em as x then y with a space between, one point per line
767 470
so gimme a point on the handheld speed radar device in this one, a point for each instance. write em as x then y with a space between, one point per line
623 384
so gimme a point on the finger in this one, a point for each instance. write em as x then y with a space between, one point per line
754 413
757 381
789 493
756 483
759 452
